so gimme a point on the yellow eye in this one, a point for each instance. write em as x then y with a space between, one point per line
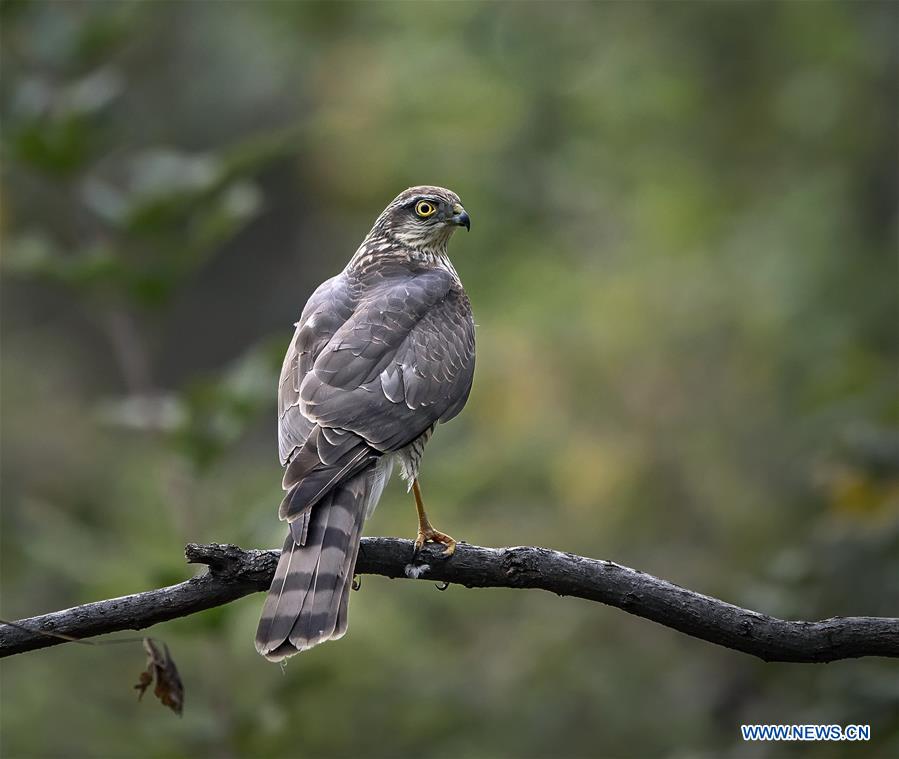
424 209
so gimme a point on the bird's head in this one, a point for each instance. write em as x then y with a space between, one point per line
423 218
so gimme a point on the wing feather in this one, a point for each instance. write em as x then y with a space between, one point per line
326 311
402 361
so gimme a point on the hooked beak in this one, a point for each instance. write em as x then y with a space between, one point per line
461 217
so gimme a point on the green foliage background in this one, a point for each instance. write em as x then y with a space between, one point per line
683 268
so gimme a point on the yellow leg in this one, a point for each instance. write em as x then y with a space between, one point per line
426 533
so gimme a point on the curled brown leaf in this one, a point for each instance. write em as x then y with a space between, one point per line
161 668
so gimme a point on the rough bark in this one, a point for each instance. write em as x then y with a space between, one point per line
233 573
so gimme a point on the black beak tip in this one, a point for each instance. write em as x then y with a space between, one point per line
465 221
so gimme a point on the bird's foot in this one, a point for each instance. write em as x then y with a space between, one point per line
427 534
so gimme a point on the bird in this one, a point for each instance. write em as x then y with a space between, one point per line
382 353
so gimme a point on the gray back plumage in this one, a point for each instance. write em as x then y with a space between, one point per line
382 352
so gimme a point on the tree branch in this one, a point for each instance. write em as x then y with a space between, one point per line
233 573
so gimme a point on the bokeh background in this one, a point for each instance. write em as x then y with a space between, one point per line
683 268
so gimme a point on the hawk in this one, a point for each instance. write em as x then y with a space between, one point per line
381 354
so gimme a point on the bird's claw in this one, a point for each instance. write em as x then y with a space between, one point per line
430 535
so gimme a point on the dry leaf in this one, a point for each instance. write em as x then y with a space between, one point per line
161 668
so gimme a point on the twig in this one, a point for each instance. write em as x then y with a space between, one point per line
233 573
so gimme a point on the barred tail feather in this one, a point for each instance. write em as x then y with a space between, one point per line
309 594
340 625
291 583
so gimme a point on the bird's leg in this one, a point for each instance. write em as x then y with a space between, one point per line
426 533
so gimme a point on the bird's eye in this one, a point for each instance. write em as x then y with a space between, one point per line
424 209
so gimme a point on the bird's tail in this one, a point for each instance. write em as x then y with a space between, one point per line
307 602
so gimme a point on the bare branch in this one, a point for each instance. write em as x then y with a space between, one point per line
233 573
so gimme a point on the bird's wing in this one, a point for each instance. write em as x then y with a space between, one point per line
325 312
401 362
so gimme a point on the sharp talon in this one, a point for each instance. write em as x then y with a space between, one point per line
426 533
430 535
442 586
357 582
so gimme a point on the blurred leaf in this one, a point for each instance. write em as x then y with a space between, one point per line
55 145
35 256
217 411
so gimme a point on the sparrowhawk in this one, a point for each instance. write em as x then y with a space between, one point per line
382 353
